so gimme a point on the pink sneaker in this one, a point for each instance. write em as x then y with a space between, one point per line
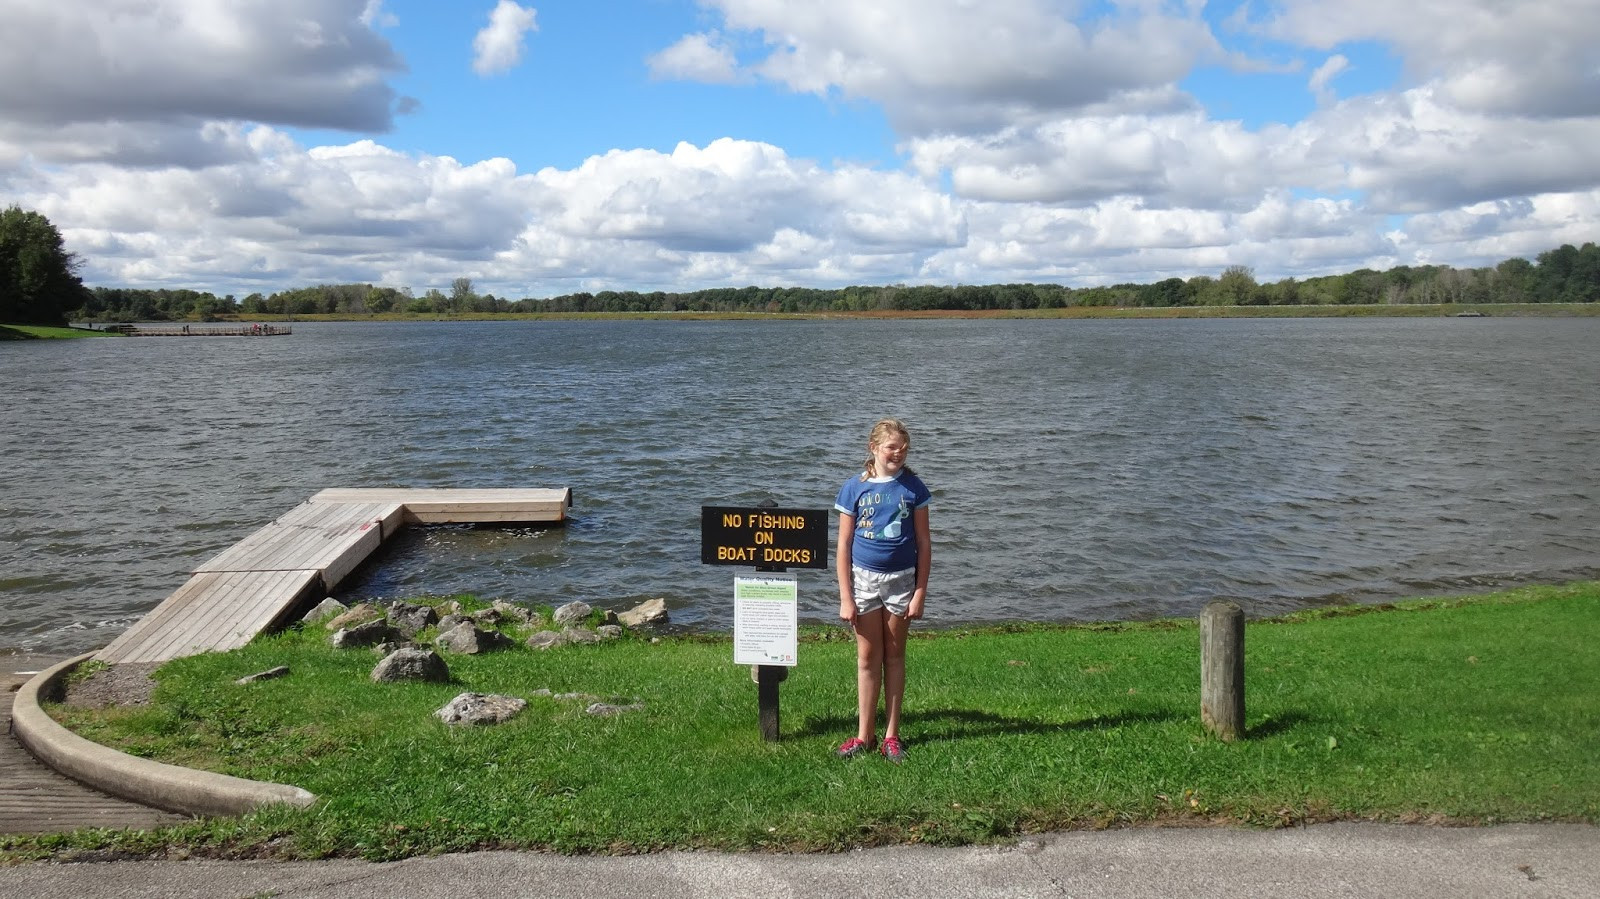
852 748
892 750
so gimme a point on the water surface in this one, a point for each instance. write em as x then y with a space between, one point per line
1081 469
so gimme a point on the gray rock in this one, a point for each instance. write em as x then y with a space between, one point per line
268 674
411 664
609 631
357 614
486 617
370 634
547 640
573 612
479 708
606 709
468 639
452 621
580 635
651 612
326 609
384 649
410 618
513 612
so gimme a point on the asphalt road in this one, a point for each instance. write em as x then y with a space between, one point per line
1334 860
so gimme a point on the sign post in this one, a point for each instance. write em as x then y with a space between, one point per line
766 605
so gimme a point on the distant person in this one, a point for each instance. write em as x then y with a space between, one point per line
883 556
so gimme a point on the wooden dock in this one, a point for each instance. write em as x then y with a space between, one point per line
254 585
251 330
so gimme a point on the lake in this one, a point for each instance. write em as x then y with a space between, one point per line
1081 470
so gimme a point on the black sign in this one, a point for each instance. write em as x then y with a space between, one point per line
764 538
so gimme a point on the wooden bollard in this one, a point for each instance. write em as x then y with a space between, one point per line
1222 669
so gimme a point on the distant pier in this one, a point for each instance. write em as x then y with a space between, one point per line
250 330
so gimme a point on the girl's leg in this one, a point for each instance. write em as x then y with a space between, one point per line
895 630
869 672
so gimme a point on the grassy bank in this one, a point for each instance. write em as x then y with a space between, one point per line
45 332
1479 710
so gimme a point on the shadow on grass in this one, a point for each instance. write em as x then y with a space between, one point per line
931 725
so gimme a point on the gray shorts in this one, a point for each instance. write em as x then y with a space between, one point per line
876 590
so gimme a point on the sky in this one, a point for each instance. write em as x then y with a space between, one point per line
243 146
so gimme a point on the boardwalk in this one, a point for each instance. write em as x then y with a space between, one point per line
258 583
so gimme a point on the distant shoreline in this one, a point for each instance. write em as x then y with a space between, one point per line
1445 310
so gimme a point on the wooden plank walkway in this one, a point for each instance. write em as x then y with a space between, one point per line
253 585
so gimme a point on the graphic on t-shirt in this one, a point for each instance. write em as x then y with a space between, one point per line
892 531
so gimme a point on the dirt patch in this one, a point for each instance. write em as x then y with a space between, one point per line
114 685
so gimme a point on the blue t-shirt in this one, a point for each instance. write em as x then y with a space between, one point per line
885 539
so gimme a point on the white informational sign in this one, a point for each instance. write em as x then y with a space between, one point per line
765 621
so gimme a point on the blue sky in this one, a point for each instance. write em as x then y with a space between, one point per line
540 149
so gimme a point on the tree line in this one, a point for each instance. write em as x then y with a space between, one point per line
38 283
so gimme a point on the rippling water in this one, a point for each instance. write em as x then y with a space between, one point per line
1080 469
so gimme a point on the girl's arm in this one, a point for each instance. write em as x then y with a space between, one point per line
924 538
847 581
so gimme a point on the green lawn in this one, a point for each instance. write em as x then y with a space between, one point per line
45 332
1479 710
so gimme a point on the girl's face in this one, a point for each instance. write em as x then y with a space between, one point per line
889 454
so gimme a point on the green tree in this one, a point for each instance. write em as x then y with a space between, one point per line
39 283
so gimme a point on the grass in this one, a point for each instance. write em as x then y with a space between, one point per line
46 332
1477 710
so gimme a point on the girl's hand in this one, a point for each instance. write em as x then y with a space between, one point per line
914 608
847 610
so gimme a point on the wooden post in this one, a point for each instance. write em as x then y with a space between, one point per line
1222 669
768 677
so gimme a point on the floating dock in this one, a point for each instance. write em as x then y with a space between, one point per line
254 585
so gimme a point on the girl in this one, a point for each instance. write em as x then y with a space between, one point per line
883 556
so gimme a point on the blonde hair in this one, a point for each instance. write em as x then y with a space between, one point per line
881 431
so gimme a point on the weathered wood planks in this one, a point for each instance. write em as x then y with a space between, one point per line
247 588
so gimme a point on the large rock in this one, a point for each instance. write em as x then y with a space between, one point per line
547 640
651 612
609 631
357 614
479 708
580 635
328 608
370 634
573 612
411 664
467 639
410 618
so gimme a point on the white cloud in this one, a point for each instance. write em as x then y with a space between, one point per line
696 57
497 49
956 66
1322 78
1490 56
123 65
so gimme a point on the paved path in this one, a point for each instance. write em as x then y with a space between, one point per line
1331 861
35 799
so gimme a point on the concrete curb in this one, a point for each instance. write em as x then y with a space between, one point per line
169 787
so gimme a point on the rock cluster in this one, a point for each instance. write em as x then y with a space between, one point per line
392 633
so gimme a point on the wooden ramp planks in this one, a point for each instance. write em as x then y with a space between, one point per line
247 588
214 611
